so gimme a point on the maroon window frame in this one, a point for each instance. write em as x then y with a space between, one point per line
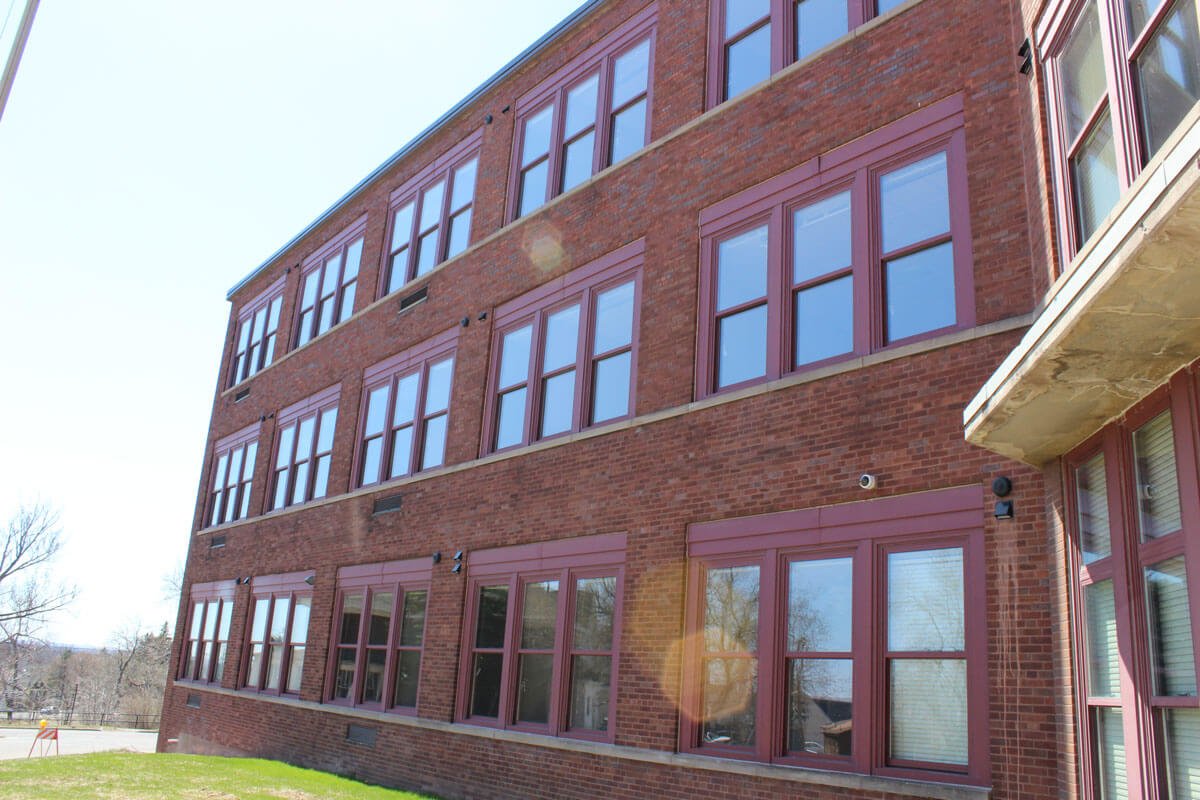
328 282
234 459
1107 485
586 288
395 649
547 167
277 636
857 168
1122 107
567 562
304 438
207 643
869 533
429 216
257 334
779 19
392 442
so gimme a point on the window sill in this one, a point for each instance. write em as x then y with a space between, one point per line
796 775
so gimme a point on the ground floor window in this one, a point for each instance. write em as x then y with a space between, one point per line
827 639
278 632
207 642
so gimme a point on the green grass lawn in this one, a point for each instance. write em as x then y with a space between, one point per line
132 776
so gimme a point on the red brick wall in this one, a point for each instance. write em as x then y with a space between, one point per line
796 447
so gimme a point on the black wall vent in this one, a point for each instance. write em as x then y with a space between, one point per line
386 504
416 297
216 541
193 701
242 395
360 734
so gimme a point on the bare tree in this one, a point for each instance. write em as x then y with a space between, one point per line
27 596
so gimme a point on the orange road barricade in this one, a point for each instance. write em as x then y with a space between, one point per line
43 737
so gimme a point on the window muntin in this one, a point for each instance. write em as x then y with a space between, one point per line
405 415
566 353
281 606
232 477
304 450
207 643
257 334
819 265
593 113
378 635
429 217
541 638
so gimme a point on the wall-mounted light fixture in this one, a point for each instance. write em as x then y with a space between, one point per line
437 558
1026 56
310 580
1002 487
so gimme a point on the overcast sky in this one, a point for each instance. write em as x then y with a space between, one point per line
151 155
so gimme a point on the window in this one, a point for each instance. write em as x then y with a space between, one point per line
257 331
304 449
280 605
328 279
379 632
566 355
542 630
1133 531
429 217
232 476
860 249
749 40
782 660
593 113
1121 78
207 642
406 411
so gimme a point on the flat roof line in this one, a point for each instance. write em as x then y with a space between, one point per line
420 138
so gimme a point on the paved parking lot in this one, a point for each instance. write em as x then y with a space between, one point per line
15 742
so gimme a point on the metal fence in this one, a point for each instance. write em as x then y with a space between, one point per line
65 720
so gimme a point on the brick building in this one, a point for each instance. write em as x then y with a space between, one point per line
608 440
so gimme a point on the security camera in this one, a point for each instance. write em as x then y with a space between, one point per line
866 481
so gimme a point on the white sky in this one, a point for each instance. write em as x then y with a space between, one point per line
151 155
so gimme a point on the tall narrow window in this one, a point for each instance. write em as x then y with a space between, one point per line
328 283
729 672
747 47
823 280
257 333
741 318
304 449
278 633
591 657
233 476
1165 54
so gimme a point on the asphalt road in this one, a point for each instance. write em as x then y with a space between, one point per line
15 742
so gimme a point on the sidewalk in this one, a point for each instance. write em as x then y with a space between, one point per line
15 742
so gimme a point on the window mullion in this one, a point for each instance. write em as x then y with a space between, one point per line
1114 33
865 734
783 34
509 672
771 618
777 350
533 380
604 114
562 619
868 263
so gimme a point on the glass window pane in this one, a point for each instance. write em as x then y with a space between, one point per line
295 670
510 423
819 605
538 614
398 272
279 619
226 618
819 705
304 438
401 451
427 256
412 631
376 410
381 618
884 6
731 610
558 403
591 677
562 339
533 687
460 233
819 22
371 460
631 74
925 601
742 346
408 671
614 318
351 614
198 619
321 480
612 387
493 611
258 630
1113 783
1182 732
402 226
577 161
825 321
748 61
1095 171
581 107
1140 12
254 667
1157 482
330 280
1170 624
514 356
1101 626
485 684
235 468
353 256
437 395
219 662
328 423
1081 67
433 450
344 679
219 474
914 203
821 239
300 613
533 188
464 184
274 666
920 292
431 205
372 691
728 699
406 399
251 455
347 308
740 13
210 619
536 141
1091 493
928 710
595 605
742 268
311 282
628 132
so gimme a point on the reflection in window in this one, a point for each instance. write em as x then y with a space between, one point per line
730 671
